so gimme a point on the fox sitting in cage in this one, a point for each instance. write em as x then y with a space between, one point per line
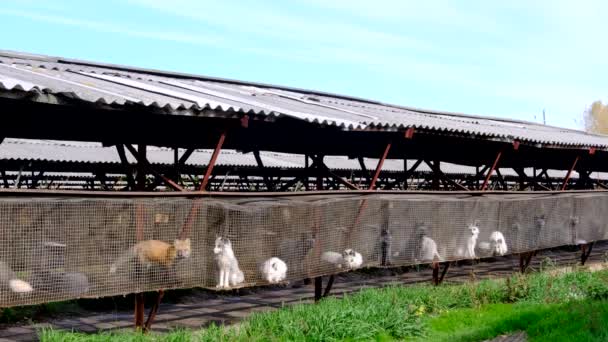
497 246
426 247
155 252
229 272
468 250
349 259
9 280
273 270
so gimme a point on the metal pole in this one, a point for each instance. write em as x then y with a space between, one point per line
565 183
379 166
487 180
216 153
139 226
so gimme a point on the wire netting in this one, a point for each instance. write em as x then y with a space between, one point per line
65 248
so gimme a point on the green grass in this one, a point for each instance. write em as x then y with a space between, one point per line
546 307
573 321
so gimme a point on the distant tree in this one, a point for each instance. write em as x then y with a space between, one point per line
596 118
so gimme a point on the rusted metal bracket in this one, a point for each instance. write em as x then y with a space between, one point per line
586 252
524 260
438 278
319 292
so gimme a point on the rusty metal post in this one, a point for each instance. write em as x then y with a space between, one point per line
139 227
196 203
565 183
330 283
524 260
437 278
372 184
153 311
216 153
586 252
487 180
318 288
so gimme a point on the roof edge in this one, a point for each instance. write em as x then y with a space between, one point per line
177 74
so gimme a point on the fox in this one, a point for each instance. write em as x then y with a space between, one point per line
9 280
155 252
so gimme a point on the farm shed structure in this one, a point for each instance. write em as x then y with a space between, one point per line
50 164
54 98
152 130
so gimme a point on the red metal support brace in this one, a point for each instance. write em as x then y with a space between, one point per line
372 185
409 133
211 165
565 183
187 225
153 311
196 203
487 180
363 204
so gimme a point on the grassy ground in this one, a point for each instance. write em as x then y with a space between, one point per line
562 307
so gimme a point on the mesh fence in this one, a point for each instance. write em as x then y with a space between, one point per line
63 248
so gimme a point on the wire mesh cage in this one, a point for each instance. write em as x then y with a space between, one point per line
68 247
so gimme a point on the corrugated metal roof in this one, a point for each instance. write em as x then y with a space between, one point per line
182 94
95 153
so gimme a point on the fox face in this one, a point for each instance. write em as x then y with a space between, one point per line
474 229
182 248
348 253
221 243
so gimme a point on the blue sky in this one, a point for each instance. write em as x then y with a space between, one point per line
499 58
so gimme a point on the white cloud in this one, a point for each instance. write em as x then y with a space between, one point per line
114 28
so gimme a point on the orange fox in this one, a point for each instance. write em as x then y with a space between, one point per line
155 252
